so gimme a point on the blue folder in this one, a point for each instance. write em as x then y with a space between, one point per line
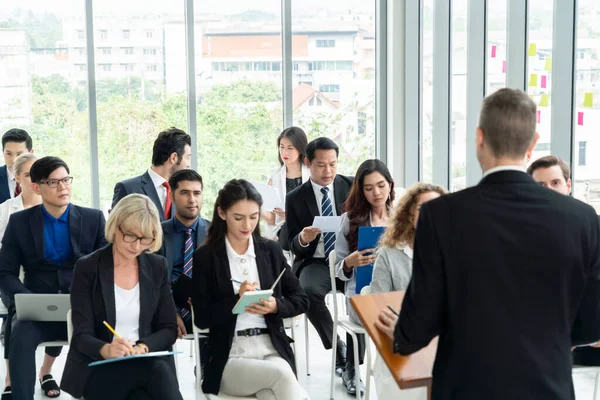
368 238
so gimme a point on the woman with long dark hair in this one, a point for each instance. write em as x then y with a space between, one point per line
249 354
368 204
290 174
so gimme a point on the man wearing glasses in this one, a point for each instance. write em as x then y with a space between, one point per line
46 240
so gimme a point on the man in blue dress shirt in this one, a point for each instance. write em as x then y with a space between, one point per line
46 240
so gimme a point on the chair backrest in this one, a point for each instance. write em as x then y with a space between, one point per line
333 285
365 290
69 326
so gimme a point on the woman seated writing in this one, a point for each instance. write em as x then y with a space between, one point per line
368 204
393 269
249 354
128 287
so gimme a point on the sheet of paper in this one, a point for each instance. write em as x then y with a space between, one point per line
327 224
270 197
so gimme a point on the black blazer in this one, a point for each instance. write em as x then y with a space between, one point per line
93 301
140 184
169 229
4 188
300 211
213 300
23 245
506 273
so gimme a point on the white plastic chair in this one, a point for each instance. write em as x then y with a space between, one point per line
353 330
596 370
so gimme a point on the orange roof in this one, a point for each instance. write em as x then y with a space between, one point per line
304 92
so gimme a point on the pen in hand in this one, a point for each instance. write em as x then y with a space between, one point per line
236 281
393 311
110 328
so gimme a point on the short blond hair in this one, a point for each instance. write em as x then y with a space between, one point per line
135 211
22 159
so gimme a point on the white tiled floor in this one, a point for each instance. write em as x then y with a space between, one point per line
317 383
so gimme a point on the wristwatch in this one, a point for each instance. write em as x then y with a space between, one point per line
143 346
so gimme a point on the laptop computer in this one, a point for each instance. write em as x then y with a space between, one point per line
42 307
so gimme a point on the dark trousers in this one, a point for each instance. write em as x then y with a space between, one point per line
24 340
143 378
7 328
314 279
350 351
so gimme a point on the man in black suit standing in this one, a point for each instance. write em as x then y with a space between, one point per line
14 143
324 194
172 152
46 240
506 273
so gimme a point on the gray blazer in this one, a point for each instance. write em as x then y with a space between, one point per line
392 269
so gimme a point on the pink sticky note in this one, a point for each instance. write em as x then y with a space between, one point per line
544 82
539 114
503 67
494 51
580 118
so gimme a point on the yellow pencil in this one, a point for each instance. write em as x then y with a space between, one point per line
110 328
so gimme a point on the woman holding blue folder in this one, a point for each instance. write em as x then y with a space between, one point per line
126 287
249 353
369 204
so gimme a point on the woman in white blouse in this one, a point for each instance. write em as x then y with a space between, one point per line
28 198
289 175
393 269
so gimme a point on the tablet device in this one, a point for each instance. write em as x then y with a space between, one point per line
254 297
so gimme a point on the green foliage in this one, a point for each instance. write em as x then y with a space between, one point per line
43 29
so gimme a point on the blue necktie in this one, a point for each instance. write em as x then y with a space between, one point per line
188 253
327 211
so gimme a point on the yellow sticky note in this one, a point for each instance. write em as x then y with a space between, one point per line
588 100
532 50
533 80
548 66
544 100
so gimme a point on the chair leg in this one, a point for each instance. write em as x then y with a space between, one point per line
333 357
198 367
356 364
306 346
191 348
176 359
596 386
293 332
369 367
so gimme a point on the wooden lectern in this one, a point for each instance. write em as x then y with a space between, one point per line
409 371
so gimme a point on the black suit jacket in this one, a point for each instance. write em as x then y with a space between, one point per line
140 184
168 228
4 188
23 245
300 211
506 273
93 301
214 298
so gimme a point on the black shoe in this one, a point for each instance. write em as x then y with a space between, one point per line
349 379
340 358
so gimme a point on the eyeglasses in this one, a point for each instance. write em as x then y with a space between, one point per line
53 183
129 238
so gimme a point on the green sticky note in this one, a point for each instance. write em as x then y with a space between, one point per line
533 80
532 50
544 100
588 100
548 66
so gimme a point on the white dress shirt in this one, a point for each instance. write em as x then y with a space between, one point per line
504 168
7 208
127 312
320 250
243 268
12 183
158 184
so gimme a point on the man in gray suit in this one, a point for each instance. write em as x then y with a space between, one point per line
171 153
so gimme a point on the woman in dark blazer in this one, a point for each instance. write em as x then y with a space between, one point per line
249 353
128 287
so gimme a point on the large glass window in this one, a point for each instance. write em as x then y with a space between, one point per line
427 93
539 73
239 89
586 164
43 83
459 95
335 96
136 98
496 46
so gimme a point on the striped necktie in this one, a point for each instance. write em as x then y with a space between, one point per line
188 253
327 211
